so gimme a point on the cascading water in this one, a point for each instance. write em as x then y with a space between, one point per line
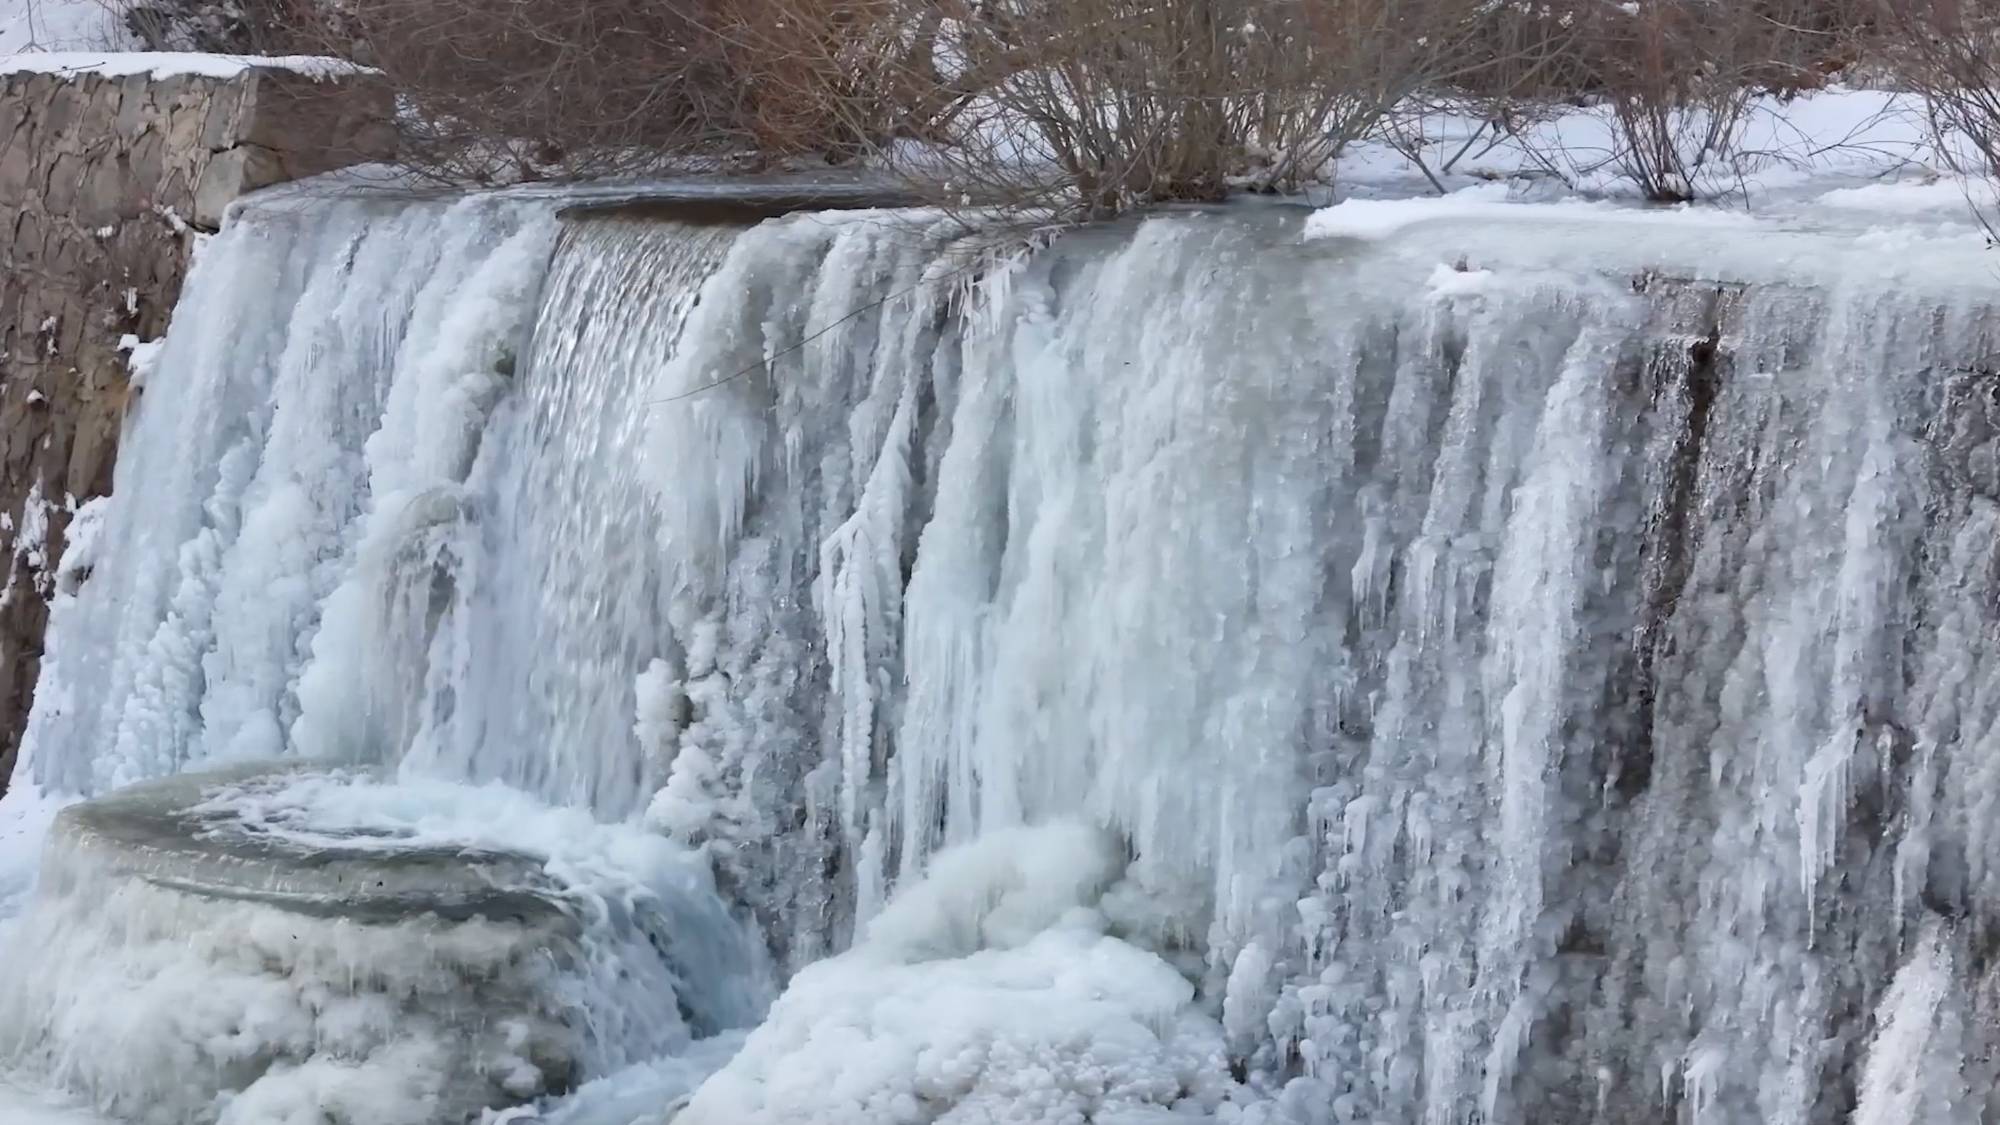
1185 670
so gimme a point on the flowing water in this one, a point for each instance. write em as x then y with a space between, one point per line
1510 673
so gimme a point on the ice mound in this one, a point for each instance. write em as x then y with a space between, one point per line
988 992
275 946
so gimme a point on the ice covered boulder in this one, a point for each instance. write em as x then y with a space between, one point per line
276 946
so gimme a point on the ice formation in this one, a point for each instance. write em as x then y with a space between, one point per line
1446 670
988 991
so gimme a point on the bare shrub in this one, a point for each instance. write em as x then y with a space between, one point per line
1069 107
508 90
1095 106
233 27
1676 79
1677 89
840 78
1080 106
515 90
1949 51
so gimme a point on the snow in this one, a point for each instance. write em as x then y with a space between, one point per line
1933 195
1462 282
1864 152
30 545
169 64
57 25
1378 219
142 356
80 544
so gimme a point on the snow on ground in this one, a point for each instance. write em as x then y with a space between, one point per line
1376 219
1857 161
58 25
1836 133
1867 154
1914 198
87 37
168 64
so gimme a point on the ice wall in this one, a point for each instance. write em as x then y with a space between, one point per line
1530 690
1534 670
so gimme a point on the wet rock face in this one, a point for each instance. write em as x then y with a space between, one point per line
104 183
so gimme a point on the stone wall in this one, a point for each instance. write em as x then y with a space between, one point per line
106 181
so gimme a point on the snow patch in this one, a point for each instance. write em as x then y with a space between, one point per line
1944 196
80 544
1374 220
1460 281
58 25
31 541
172 64
142 358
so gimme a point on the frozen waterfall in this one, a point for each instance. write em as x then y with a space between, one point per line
1526 670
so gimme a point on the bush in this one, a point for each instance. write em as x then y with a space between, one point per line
513 89
230 27
1096 106
1676 78
1090 106
1075 107
1949 51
